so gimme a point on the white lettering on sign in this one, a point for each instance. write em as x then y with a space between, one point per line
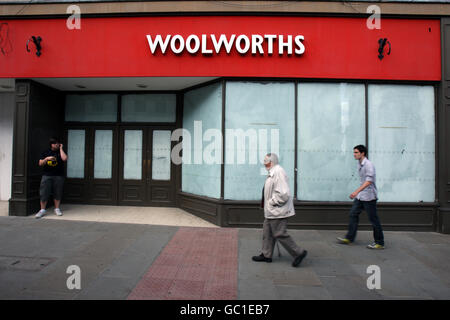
208 44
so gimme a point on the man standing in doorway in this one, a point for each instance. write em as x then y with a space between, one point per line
52 182
365 197
278 206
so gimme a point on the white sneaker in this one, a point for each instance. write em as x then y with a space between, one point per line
375 246
58 212
41 213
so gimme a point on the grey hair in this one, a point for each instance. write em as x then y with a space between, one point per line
273 158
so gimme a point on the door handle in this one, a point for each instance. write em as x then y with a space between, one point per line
146 164
150 173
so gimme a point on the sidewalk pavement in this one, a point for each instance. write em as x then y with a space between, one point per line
204 262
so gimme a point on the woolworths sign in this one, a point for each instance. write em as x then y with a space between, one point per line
209 44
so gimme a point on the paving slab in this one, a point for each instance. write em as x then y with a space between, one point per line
348 288
287 292
261 289
107 288
141 261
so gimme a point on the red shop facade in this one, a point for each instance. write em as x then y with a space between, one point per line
118 88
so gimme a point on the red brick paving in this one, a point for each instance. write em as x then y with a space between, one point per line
196 264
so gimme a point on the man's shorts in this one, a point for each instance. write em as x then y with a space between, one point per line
51 185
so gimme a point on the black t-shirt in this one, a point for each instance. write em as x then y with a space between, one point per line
53 168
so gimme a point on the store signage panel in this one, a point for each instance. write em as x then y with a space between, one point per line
215 46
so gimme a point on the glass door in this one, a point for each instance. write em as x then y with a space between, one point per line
160 181
147 173
76 179
132 164
102 166
91 165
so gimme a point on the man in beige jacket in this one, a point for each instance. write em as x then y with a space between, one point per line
278 207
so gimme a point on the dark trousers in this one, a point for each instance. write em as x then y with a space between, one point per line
371 208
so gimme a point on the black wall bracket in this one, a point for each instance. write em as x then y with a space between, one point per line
381 44
37 43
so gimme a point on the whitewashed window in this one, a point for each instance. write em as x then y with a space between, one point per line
402 141
265 114
91 107
132 158
149 108
75 153
331 121
103 154
161 155
202 110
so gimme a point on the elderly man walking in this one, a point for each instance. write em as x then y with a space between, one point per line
278 207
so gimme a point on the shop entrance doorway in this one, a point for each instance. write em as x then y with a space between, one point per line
146 172
120 165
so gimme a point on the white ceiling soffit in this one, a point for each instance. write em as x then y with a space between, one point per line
7 85
123 84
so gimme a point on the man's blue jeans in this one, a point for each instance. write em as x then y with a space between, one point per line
371 208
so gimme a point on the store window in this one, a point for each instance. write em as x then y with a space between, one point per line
402 141
202 124
132 159
103 154
161 155
75 153
259 119
331 121
91 107
149 108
